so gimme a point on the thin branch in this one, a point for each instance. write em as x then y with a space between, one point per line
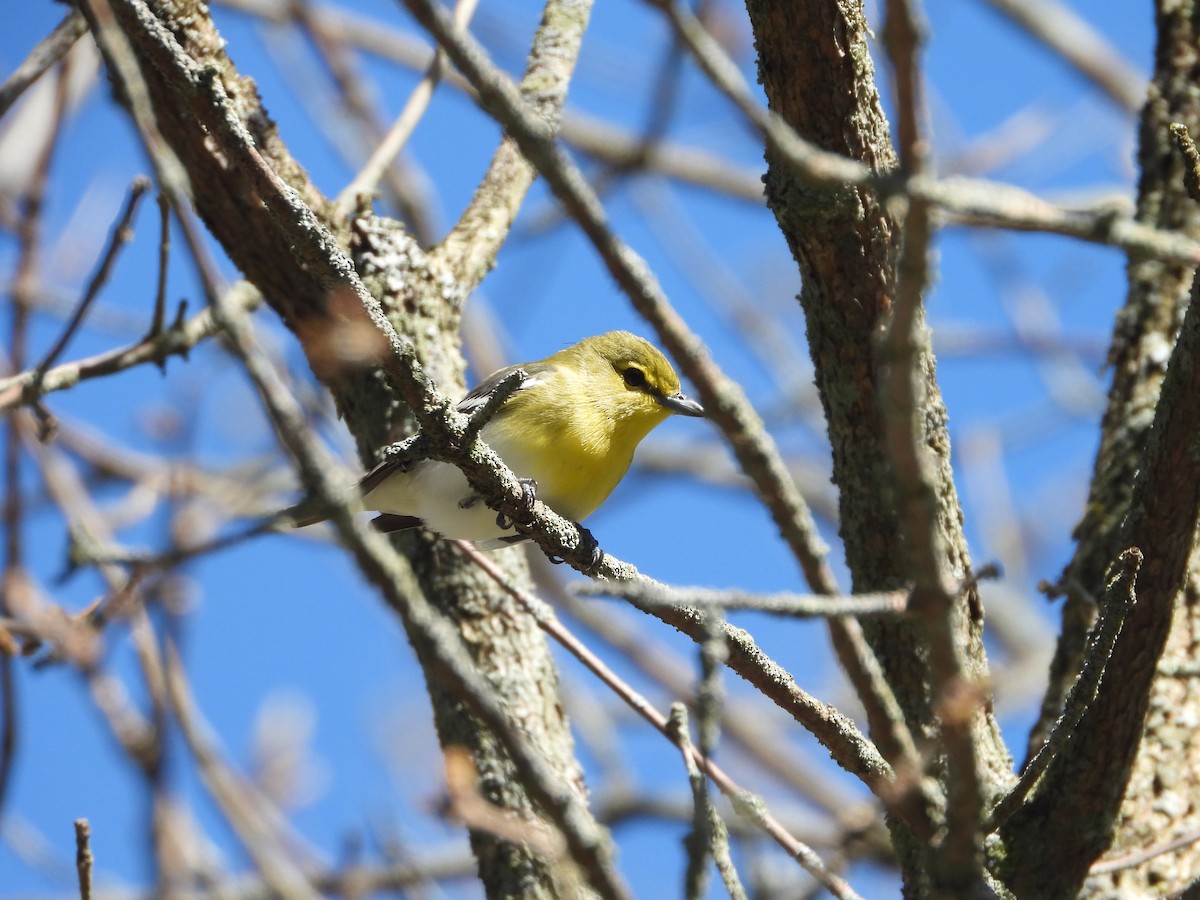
705 836
369 176
164 252
709 833
240 803
1119 598
743 800
13 577
123 66
83 857
1083 47
405 186
967 201
471 246
937 599
177 340
742 722
148 560
607 143
49 50
1132 860
800 606
121 234
970 201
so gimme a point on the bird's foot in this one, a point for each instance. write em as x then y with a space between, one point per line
589 549
529 497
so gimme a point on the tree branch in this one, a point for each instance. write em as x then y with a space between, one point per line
1077 799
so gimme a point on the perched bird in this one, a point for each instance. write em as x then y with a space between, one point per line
569 431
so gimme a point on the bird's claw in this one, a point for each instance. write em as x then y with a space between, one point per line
589 547
528 492
528 497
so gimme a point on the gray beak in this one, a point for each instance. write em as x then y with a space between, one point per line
677 403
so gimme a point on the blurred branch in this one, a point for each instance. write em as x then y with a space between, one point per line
709 463
83 857
359 128
708 830
49 50
743 799
470 248
711 276
389 147
247 811
938 601
1130 860
970 201
744 722
121 234
801 606
177 340
1071 37
967 201
14 577
605 142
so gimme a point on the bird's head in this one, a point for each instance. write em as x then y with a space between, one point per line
632 378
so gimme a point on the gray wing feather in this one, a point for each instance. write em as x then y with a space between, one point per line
467 405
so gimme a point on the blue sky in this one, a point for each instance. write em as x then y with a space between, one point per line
285 623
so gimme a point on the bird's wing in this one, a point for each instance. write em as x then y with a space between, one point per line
387 523
468 404
479 394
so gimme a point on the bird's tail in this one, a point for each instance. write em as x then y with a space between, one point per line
308 511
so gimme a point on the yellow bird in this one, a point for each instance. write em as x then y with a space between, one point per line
569 430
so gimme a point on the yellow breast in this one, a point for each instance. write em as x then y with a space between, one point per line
577 453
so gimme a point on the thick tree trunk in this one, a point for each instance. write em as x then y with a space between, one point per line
816 68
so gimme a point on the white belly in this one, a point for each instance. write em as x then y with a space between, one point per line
439 494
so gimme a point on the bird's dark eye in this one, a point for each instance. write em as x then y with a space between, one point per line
634 377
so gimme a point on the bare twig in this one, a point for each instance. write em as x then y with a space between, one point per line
969 201
801 606
120 236
1130 860
241 804
742 722
937 599
177 340
401 180
1119 598
83 857
471 246
49 50
164 251
389 148
743 800
1074 39
24 285
709 834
